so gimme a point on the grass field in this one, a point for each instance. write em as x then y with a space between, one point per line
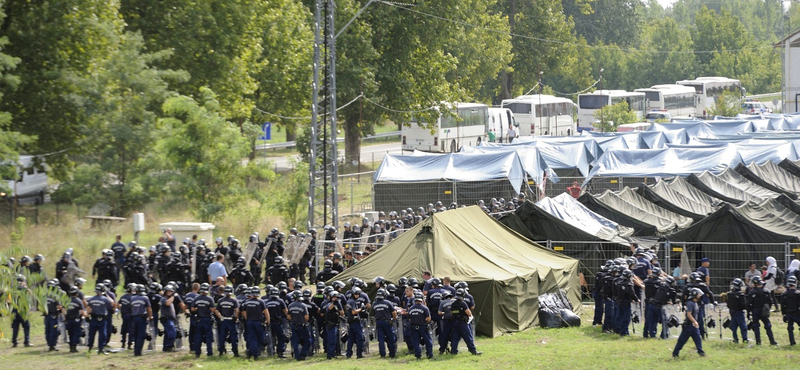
573 348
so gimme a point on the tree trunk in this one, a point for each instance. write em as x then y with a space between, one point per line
352 139
291 132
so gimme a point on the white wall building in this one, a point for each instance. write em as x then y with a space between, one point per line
791 72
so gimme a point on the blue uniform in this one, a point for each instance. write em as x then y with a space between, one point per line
301 343
20 322
168 317
254 308
73 320
355 332
139 304
188 300
417 315
689 330
97 324
331 310
203 306
125 312
227 326
276 307
383 309
51 321
447 324
460 328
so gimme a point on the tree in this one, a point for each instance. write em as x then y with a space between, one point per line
666 56
727 104
608 22
291 195
56 42
10 141
611 116
204 151
122 102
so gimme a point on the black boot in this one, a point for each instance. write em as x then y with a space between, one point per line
771 337
791 338
757 333
73 349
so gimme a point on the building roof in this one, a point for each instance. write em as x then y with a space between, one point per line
793 37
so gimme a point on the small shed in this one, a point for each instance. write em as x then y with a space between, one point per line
791 71
182 230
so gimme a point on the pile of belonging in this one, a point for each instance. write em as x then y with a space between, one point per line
555 311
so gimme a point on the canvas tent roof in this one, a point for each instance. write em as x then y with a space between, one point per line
628 194
567 158
771 176
538 225
621 211
730 187
680 197
506 272
573 212
768 222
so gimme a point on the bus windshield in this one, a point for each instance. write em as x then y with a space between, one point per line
592 101
652 96
519 108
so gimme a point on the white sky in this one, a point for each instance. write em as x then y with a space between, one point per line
666 3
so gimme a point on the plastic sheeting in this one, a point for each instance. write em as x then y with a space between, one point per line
532 160
730 186
680 197
567 159
668 162
771 176
576 214
452 167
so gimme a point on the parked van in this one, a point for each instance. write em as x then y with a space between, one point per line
499 119
32 181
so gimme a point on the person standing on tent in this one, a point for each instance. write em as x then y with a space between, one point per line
703 270
574 190
690 327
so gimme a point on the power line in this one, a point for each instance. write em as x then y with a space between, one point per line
345 106
564 42
309 117
398 111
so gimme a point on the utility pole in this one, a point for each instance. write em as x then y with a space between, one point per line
539 113
602 113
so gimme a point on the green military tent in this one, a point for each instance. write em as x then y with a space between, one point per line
506 272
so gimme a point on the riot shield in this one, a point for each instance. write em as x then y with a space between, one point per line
269 342
179 338
152 328
62 328
292 250
249 250
265 252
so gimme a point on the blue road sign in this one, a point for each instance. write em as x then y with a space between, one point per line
266 131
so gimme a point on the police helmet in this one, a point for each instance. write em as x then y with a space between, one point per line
695 293
312 231
255 291
791 281
241 261
626 273
334 294
235 242
278 260
141 289
25 259
453 205
696 277
639 251
52 283
381 294
320 286
298 285
403 281
436 282
282 285
630 261
352 281
274 293
73 290
337 255
327 264
80 281
100 288
462 285
227 290
171 288
656 271
447 293
357 291
153 248
378 280
328 290
609 263
307 293
241 288
38 257
412 282
460 293
418 297
391 288
268 287
603 268
738 283
204 288
338 284
107 283
670 280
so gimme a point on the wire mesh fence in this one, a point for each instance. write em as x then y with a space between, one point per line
395 196
727 260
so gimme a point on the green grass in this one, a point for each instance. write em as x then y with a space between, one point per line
573 348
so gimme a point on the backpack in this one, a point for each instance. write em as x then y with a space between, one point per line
780 276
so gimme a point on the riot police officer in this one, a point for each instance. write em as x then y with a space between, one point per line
142 313
691 328
790 306
760 303
168 316
333 313
98 310
327 272
737 304
227 313
277 313
53 309
419 317
627 295
461 315
75 313
278 271
298 319
447 320
240 275
355 331
256 315
385 313
203 306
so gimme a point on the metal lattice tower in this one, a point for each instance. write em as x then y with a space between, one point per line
323 202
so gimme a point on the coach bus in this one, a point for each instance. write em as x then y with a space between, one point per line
467 126
677 100
707 89
589 104
542 115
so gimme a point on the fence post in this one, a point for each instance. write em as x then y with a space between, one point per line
352 198
667 267
549 244
787 246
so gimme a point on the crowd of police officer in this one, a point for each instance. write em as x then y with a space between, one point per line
637 284
161 295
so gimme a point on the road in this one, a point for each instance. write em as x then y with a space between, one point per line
371 153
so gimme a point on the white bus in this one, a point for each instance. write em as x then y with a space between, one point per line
450 133
542 115
589 104
708 89
497 125
677 100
